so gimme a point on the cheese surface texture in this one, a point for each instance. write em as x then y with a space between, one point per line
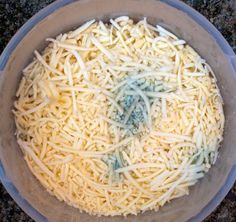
118 118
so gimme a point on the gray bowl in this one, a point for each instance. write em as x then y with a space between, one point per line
64 15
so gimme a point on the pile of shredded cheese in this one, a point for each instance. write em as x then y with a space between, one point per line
118 118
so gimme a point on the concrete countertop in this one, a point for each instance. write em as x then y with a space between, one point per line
14 13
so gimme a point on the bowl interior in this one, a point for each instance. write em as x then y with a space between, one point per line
70 17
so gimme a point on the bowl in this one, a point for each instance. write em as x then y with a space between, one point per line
65 15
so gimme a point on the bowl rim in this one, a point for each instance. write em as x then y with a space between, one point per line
43 13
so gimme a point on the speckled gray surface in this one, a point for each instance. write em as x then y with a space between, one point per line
14 13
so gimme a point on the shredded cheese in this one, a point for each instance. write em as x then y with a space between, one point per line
118 118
